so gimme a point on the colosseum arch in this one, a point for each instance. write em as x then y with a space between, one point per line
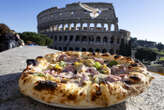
70 48
77 38
66 27
65 38
84 39
92 25
111 51
117 51
71 38
118 40
55 38
60 48
85 25
112 40
90 50
60 27
84 50
65 48
77 49
106 27
104 51
60 38
99 26
105 39
98 39
97 50
78 26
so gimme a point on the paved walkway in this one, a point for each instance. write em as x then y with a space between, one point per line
12 63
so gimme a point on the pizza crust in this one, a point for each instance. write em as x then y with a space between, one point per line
52 91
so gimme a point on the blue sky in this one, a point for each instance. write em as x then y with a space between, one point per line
143 18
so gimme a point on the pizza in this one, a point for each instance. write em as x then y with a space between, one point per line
83 79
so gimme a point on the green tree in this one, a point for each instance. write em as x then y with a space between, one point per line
4 29
125 49
36 38
145 53
160 46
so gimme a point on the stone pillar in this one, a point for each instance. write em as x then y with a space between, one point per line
109 27
102 26
54 27
63 26
116 27
75 26
81 26
95 26
88 26
58 27
69 27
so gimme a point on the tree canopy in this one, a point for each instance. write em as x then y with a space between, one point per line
125 49
4 29
146 54
36 38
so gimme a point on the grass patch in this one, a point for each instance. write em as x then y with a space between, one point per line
161 59
161 52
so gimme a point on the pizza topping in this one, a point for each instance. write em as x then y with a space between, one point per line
100 60
97 65
62 63
62 57
92 71
69 68
134 64
40 74
121 69
44 85
112 63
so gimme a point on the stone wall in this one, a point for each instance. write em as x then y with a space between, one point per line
73 22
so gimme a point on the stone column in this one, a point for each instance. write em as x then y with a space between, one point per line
58 27
54 27
88 26
109 27
116 27
69 27
75 26
63 26
81 26
95 26
102 26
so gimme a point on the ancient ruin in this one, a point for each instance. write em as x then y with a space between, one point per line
72 28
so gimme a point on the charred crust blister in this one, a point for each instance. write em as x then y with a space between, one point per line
105 54
45 85
31 62
128 82
71 97
116 57
134 65
135 78
40 57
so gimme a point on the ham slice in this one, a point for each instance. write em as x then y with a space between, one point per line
69 68
92 70
100 60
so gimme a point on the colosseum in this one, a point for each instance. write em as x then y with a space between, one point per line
72 28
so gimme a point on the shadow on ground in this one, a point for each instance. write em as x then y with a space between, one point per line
12 99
